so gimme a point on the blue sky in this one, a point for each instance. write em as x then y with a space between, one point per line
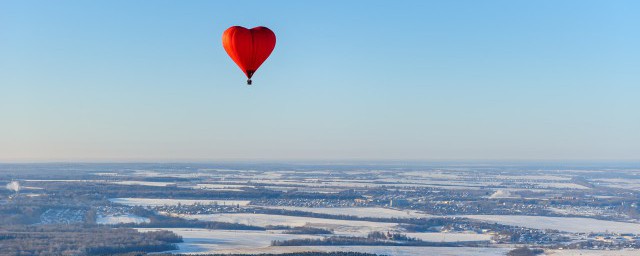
379 80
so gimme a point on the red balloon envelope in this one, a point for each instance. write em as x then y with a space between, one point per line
248 48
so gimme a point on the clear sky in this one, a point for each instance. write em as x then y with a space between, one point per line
422 80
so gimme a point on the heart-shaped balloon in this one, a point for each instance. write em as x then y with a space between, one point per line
248 48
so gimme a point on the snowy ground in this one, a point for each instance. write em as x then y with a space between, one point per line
144 183
379 250
374 212
576 225
533 177
164 201
210 241
633 184
117 219
503 193
201 241
148 174
561 185
340 227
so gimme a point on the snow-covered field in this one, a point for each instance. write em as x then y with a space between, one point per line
374 212
381 250
117 219
633 184
561 185
532 177
143 183
210 241
340 227
154 174
164 201
201 241
577 225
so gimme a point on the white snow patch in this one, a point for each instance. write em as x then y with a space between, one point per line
210 241
569 224
340 227
144 183
501 193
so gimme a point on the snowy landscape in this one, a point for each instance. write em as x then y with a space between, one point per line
383 210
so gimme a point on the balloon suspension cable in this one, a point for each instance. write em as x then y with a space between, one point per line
248 81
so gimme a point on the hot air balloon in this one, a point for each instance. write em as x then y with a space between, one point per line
248 48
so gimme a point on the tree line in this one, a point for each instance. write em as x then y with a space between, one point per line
82 240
